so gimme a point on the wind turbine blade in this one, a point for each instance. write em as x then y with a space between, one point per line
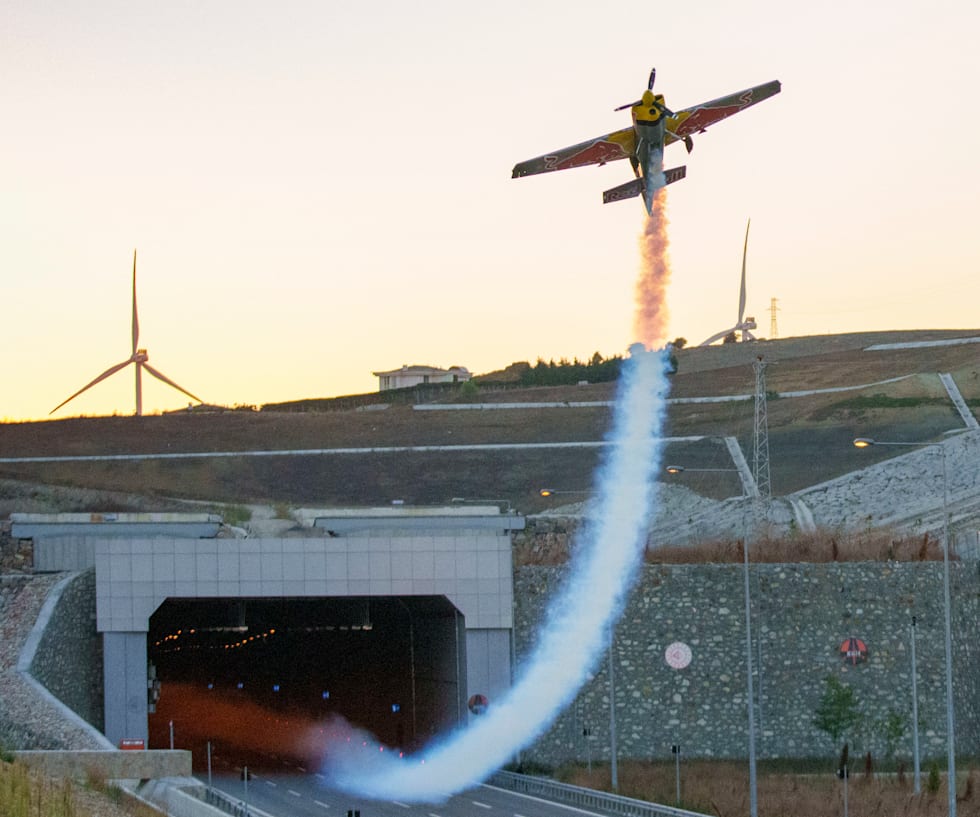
718 336
741 294
169 382
107 373
136 320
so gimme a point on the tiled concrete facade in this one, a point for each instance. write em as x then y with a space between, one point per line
473 570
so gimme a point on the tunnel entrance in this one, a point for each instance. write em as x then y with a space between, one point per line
263 679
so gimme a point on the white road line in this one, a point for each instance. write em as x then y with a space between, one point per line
294 793
321 804
434 815
481 805
403 805
302 769
270 783
552 803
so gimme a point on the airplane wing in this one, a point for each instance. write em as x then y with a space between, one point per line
700 117
617 145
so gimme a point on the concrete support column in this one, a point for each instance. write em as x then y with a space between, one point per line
124 662
488 663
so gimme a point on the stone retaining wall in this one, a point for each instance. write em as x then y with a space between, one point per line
801 614
68 661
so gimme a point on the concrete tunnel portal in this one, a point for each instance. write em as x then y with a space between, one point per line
393 618
263 679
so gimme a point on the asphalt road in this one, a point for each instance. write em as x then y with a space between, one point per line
299 795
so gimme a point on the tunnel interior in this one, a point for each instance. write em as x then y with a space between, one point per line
263 680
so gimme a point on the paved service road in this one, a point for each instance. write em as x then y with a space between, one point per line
292 795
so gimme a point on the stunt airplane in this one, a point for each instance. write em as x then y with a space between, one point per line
654 127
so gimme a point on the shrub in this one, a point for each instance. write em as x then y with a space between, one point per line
236 514
838 709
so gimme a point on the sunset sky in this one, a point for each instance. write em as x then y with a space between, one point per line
319 190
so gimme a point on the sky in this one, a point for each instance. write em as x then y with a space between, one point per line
321 190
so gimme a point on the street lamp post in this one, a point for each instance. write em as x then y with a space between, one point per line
613 751
865 442
753 788
916 771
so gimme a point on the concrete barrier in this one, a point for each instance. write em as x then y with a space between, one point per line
110 764
190 798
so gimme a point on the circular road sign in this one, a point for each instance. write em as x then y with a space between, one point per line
678 655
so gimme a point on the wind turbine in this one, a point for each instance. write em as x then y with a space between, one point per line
743 325
139 358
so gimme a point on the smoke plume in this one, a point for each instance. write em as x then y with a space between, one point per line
608 552
650 320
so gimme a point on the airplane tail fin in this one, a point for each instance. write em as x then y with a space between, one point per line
635 187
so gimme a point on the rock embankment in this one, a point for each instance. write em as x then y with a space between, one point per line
28 720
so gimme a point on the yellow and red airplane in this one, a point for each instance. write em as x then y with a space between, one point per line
654 127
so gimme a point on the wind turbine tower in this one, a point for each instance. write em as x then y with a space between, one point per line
138 358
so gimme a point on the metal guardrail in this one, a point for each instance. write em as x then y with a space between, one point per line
228 804
599 801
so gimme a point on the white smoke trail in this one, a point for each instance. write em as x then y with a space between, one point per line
609 551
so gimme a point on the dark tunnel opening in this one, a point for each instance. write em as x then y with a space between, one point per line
261 679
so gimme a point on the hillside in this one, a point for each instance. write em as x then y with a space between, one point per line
810 435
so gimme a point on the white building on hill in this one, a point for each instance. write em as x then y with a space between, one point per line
415 375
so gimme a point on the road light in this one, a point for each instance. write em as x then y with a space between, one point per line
680 469
546 492
753 789
866 442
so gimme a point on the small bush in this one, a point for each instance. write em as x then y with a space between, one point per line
236 514
932 783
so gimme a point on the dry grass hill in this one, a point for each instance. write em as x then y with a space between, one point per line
810 435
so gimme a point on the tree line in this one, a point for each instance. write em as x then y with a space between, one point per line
597 369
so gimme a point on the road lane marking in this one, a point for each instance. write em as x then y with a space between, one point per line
552 803
434 815
403 805
481 805
321 804
270 783
294 793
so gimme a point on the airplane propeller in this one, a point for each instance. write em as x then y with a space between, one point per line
663 108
